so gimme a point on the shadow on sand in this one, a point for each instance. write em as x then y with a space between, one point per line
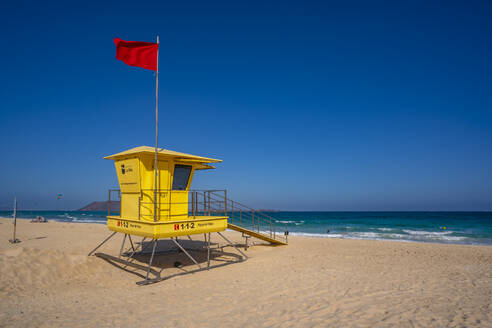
167 255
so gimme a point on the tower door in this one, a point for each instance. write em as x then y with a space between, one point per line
179 194
163 189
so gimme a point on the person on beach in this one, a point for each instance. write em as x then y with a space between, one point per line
39 219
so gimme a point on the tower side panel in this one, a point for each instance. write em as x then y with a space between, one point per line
128 174
129 205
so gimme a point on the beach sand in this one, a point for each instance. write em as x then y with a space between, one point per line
48 280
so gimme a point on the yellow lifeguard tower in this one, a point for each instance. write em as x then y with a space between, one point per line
158 203
154 203
168 216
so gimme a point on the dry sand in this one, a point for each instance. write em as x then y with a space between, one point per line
49 281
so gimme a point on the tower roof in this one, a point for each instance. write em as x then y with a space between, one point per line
164 153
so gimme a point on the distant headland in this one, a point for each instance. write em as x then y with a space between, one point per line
101 206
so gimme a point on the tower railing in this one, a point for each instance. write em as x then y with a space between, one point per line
200 203
216 202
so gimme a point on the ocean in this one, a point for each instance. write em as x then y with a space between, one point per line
471 228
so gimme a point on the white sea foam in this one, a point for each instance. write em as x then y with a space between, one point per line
365 234
66 216
429 233
385 236
89 221
317 235
83 221
453 238
395 236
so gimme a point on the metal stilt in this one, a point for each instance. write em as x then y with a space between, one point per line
150 262
122 245
130 258
231 244
144 247
208 250
131 243
105 240
141 243
184 251
246 243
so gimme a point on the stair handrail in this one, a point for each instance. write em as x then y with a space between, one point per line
265 220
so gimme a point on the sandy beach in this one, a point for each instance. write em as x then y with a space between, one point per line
48 280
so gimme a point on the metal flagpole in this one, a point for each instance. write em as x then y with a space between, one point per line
156 130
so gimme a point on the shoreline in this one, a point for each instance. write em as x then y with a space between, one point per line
296 234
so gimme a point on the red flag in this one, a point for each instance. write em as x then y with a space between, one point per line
136 53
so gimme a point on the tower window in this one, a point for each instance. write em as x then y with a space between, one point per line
181 176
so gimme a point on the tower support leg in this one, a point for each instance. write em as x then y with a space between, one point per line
146 281
105 240
122 245
231 244
184 251
208 250
246 243
130 258
131 243
143 248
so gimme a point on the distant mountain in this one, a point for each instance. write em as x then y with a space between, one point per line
101 206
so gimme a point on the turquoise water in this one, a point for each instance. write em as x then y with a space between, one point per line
441 227
460 227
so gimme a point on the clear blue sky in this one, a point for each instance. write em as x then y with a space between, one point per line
312 105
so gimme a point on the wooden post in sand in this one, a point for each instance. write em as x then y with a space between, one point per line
15 240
